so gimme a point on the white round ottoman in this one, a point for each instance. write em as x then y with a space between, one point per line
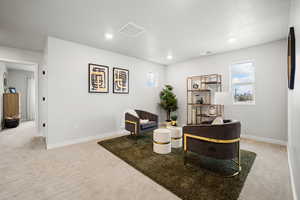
176 135
162 141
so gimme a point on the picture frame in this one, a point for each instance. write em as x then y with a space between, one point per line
291 64
98 77
120 80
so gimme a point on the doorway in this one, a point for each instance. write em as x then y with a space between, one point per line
20 78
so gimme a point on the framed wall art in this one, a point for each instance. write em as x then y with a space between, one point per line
98 78
120 81
291 59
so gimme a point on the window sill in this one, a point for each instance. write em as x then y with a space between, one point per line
244 104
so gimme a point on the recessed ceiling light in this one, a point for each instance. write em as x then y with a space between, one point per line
169 57
232 40
109 36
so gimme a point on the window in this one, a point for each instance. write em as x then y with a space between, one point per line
243 83
152 80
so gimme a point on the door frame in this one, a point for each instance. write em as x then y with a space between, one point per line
36 83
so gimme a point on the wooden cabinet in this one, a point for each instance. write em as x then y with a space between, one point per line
11 105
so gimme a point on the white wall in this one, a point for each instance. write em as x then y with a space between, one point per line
294 106
73 113
265 119
2 71
18 79
43 92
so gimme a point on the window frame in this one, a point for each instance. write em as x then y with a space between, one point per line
155 79
248 83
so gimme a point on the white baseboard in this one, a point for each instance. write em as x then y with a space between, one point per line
295 197
264 139
86 139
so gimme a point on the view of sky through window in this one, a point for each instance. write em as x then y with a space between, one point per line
242 82
151 79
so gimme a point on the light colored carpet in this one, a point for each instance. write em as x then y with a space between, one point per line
87 171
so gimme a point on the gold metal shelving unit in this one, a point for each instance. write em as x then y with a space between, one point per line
200 92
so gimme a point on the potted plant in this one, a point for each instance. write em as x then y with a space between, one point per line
168 101
174 120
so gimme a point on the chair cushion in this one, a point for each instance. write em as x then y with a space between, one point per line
210 122
144 121
218 120
150 124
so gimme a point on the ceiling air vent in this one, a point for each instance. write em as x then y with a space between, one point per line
132 30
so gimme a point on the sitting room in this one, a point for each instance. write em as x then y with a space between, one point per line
192 100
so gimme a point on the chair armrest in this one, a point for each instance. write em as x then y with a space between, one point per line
132 123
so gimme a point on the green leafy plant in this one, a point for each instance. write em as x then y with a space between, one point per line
174 117
168 100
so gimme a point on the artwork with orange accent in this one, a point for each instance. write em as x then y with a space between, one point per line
120 80
98 78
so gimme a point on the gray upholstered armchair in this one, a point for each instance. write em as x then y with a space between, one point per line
132 123
221 141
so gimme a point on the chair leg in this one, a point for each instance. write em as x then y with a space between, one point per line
184 158
239 158
132 135
238 163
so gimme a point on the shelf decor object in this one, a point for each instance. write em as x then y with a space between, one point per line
200 106
121 81
291 59
98 78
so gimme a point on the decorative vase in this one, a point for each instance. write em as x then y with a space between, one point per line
195 86
212 110
174 123
201 101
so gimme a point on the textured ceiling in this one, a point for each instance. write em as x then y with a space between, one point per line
183 28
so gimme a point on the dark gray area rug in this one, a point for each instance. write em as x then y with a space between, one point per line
199 179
